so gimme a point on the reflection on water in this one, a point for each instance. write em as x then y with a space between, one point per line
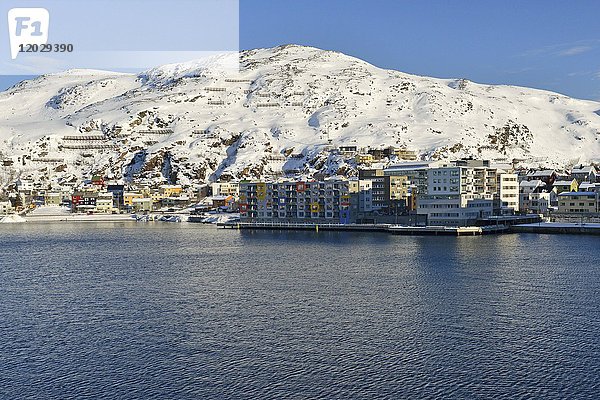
185 311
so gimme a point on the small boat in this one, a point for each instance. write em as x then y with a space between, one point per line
170 218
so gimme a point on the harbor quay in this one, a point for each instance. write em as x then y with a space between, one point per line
486 227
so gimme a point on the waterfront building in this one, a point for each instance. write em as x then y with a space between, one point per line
387 193
177 201
154 194
365 196
296 201
416 178
541 202
506 199
578 202
84 201
535 197
142 204
128 198
118 192
105 203
458 195
223 201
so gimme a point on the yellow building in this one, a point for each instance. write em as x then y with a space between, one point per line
170 190
129 196
405 154
363 158
399 187
566 186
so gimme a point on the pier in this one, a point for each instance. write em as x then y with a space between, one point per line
559 228
386 228
303 226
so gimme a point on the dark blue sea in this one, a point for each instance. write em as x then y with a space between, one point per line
182 311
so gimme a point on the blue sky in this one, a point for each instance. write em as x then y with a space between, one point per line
547 44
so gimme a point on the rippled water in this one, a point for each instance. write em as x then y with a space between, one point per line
191 312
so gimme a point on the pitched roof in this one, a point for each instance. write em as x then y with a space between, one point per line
583 170
533 183
542 172
563 183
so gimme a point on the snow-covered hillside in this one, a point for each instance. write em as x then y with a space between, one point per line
194 123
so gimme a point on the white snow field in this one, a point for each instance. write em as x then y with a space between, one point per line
195 123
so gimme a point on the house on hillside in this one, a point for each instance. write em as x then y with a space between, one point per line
566 186
548 176
585 174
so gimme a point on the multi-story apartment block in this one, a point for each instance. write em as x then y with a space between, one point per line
415 174
458 195
289 201
507 195
578 202
365 195
105 202
128 198
388 192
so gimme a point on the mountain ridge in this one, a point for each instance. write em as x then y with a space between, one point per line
277 114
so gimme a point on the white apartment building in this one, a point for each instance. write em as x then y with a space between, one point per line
226 189
508 190
458 196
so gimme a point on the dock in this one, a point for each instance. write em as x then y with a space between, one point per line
559 228
304 226
447 231
385 228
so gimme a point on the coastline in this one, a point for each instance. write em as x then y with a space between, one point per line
78 218
536 228
556 228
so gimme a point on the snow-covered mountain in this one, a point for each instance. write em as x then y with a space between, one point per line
193 122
